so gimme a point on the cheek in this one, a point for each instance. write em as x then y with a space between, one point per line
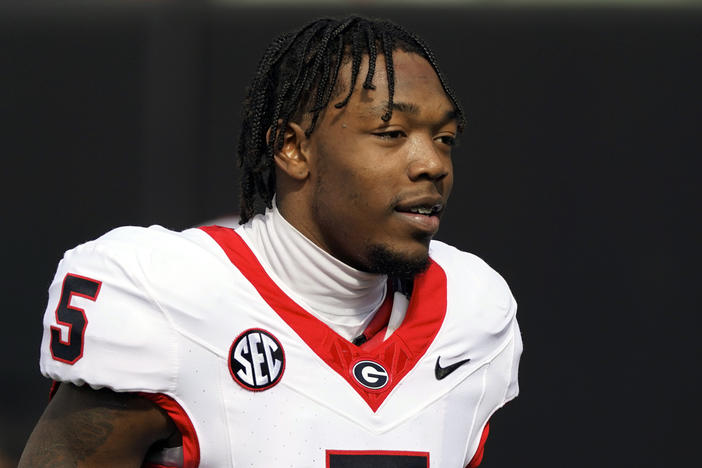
350 192
448 180
348 175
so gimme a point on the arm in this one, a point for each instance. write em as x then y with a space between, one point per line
82 427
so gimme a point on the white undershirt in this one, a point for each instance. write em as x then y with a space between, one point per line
341 296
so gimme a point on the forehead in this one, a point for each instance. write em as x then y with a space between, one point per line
415 85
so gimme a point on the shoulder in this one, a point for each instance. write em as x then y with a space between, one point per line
449 256
140 253
179 273
480 305
108 309
481 314
472 277
131 241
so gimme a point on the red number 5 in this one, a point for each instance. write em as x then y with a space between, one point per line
71 350
376 459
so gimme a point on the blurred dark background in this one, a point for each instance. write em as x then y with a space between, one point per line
577 178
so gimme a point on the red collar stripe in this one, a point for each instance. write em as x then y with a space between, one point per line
397 355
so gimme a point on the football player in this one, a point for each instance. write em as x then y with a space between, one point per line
329 329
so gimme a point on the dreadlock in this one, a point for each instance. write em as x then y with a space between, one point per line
298 74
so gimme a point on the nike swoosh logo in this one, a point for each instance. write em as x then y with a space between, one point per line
442 372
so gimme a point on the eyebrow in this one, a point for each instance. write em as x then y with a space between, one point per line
407 108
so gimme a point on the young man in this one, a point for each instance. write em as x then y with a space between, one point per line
329 331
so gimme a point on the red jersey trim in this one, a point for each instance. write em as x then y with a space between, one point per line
54 388
375 330
398 354
478 457
191 446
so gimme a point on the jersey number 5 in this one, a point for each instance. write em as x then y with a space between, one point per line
376 459
71 317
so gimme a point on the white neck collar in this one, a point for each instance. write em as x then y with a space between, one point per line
341 296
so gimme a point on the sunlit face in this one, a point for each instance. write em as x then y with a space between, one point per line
376 189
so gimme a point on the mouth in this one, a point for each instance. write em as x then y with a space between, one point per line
422 215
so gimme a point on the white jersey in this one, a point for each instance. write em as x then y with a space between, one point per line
194 322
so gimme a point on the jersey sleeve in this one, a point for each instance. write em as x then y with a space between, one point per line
484 326
102 327
488 316
516 348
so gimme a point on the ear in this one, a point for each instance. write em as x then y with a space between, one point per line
291 157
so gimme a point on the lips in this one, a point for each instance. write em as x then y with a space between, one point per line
435 202
422 213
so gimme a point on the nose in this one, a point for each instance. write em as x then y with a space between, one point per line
428 161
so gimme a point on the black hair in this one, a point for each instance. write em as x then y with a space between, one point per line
298 74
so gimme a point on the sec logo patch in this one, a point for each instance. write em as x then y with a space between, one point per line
256 360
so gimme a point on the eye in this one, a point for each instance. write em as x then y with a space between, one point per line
448 140
390 135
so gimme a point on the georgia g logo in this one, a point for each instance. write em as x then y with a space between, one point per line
370 374
256 360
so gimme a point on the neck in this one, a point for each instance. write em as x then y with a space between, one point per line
341 296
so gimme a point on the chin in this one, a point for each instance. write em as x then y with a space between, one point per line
385 261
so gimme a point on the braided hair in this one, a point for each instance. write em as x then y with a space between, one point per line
297 75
